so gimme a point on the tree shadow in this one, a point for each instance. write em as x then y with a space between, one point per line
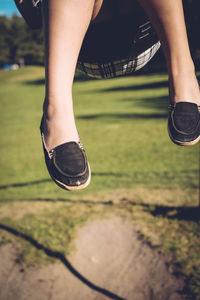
40 81
46 180
135 87
186 213
61 257
82 77
123 116
159 104
22 184
79 77
65 200
179 213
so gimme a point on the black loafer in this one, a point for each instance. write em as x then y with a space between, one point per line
67 165
184 123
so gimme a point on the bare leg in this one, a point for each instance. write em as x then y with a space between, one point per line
65 24
168 20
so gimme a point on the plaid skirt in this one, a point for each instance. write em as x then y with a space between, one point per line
123 46
134 36
120 67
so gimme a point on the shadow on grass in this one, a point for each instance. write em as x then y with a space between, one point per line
79 77
59 256
40 81
136 87
188 213
123 116
158 103
179 213
72 201
36 182
82 77
22 184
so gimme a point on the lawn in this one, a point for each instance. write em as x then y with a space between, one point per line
137 171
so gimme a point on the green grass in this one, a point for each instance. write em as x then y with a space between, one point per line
121 123
136 171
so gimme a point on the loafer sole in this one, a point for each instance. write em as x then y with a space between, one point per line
182 143
73 188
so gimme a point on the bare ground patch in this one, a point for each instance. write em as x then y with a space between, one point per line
110 262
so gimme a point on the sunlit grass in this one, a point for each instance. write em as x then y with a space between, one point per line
136 171
122 124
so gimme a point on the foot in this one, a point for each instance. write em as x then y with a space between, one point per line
184 87
184 123
65 157
184 115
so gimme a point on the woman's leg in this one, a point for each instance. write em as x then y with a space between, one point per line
168 20
65 24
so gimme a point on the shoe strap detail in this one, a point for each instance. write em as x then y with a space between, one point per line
51 153
80 145
171 107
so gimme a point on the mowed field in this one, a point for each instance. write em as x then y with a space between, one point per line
137 172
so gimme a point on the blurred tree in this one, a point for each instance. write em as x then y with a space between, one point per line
18 42
4 53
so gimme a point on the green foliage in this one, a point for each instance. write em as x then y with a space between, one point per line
17 42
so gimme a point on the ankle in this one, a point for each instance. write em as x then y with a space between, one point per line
59 128
51 109
183 68
184 87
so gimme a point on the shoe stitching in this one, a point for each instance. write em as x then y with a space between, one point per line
51 152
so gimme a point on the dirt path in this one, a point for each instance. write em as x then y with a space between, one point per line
111 262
